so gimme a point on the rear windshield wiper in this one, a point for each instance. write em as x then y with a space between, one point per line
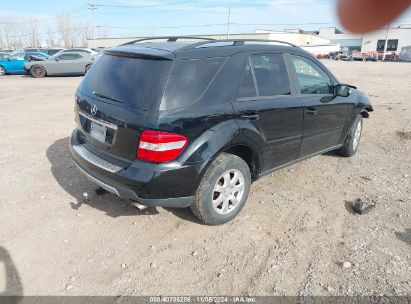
106 97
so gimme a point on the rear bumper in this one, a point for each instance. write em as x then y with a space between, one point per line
166 185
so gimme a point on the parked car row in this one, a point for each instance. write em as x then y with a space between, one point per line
64 62
53 51
14 63
361 56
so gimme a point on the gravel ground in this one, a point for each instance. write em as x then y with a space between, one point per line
297 234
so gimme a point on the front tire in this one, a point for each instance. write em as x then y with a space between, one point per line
37 71
87 69
223 190
352 140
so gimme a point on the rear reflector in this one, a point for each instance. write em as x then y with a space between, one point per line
159 147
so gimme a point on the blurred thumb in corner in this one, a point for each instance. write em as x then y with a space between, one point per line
360 16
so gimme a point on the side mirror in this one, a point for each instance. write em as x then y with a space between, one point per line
342 90
56 59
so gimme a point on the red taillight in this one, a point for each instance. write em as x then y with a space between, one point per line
159 147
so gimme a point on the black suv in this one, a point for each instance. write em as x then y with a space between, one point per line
181 123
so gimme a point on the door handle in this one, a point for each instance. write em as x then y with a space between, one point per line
250 116
311 111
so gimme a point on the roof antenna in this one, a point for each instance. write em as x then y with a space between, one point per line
228 19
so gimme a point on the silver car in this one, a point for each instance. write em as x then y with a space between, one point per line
67 63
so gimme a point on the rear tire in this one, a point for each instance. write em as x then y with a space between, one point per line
223 190
37 71
2 71
352 140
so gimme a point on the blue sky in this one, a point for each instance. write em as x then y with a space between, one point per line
183 17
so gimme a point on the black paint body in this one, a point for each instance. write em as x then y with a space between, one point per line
269 132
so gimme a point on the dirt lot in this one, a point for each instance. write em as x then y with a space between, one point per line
292 237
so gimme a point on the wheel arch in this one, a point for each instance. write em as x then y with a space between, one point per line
248 154
227 137
5 70
89 65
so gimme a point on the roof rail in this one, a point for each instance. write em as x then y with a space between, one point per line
236 42
169 39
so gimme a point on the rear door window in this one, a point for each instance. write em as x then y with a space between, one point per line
247 87
267 76
271 75
189 81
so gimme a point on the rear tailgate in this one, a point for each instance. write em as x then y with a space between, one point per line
122 126
117 100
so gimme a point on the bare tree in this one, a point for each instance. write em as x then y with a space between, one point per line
33 32
50 35
85 32
66 29
10 35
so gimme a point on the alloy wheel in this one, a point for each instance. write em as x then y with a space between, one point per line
228 191
38 71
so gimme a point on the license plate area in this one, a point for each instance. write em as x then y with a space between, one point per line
98 131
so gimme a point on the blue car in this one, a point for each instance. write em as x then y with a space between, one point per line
14 64
4 56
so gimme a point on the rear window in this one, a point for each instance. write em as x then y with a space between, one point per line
134 82
189 80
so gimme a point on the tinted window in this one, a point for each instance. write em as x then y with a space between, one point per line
311 78
247 88
19 56
271 75
52 52
136 82
69 57
189 80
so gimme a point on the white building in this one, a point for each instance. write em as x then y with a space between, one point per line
298 38
325 39
295 36
397 37
345 40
